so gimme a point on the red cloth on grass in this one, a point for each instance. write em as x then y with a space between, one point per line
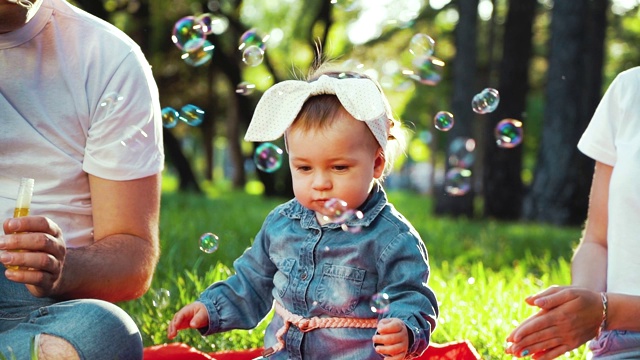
458 350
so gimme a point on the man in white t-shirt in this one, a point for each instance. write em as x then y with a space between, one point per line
602 305
80 114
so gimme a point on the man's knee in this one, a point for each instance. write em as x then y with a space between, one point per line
52 347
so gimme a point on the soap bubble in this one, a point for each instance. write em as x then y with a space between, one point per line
426 69
108 104
346 5
206 21
462 152
422 45
486 101
192 115
245 88
268 157
170 117
337 211
134 138
253 55
188 34
209 243
199 56
443 121
379 303
508 133
252 37
457 181
219 25
160 298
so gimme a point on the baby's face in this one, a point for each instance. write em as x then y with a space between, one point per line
340 161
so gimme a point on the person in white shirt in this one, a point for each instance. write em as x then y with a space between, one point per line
603 302
80 114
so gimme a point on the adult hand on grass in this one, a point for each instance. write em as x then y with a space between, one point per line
192 316
39 261
391 339
568 317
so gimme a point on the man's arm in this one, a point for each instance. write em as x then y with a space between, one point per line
119 266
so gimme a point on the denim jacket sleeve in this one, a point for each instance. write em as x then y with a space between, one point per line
244 299
404 273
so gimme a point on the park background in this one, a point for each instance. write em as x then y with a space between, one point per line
510 228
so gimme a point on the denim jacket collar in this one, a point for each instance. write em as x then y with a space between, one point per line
370 209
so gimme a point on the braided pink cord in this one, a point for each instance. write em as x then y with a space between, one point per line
308 324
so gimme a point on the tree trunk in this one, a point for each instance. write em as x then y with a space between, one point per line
555 190
176 157
502 182
464 76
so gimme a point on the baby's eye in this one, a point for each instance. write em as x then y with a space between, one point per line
341 167
304 168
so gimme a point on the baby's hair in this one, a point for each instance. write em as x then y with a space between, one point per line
319 111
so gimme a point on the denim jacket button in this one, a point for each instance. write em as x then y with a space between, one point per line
303 276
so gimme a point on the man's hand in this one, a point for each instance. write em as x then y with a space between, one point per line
41 257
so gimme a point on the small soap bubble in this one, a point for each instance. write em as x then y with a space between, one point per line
426 70
346 5
422 45
206 21
443 121
108 104
252 37
161 298
209 243
354 229
457 181
245 88
253 55
268 157
379 303
134 138
508 133
352 65
192 115
199 56
170 117
219 25
486 101
462 152
336 211
188 34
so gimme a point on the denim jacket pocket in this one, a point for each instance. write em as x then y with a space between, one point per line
282 277
339 288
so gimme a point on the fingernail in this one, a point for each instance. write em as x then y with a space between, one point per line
524 352
13 225
5 257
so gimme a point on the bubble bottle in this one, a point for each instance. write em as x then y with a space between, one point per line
23 203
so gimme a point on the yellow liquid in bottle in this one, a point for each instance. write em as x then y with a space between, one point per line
18 212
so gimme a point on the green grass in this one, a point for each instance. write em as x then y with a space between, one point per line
481 270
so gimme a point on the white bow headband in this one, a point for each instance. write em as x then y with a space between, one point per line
24 3
280 105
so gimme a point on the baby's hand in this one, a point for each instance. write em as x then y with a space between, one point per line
192 316
391 339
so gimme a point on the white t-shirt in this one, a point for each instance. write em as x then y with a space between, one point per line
613 138
76 96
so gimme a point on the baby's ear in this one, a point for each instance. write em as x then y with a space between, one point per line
379 164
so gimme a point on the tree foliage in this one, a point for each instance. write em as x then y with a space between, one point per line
510 45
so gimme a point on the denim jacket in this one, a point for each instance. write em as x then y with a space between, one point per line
324 271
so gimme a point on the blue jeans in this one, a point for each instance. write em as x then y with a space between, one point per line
616 345
96 329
